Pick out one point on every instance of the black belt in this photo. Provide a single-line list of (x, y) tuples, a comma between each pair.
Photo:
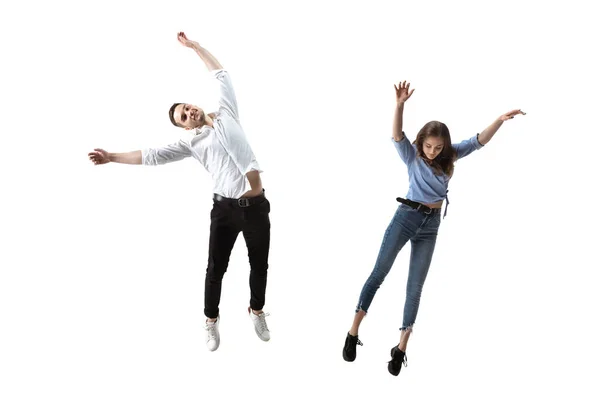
[(241, 202), (418, 206)]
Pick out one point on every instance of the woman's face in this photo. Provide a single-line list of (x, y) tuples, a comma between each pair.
[(432, 146)]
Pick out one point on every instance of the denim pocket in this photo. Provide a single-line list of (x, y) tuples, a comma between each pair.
[(404, 207)]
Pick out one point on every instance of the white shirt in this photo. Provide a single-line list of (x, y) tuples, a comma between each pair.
[(223, 149)]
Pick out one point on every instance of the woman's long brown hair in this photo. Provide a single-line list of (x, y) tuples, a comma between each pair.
[(444, 162)]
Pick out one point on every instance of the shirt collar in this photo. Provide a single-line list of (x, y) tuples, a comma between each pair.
[(202, 130), (206, 128)]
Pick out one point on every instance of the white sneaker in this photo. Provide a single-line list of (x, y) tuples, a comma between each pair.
[(260, 325), (212, 335)]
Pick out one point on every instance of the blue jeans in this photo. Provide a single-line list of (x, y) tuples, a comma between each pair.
[(421, 230)]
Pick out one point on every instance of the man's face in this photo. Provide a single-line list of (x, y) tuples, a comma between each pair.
[(189, 116)]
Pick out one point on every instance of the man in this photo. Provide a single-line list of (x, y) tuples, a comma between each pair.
[(219, 143)]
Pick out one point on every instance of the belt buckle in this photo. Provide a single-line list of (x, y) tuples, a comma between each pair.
[(244, 202), (424, 206)]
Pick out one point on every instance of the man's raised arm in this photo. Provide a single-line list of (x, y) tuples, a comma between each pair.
[(211, 62)]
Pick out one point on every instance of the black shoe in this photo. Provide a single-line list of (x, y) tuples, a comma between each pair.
[(398, 358), (349, 352)]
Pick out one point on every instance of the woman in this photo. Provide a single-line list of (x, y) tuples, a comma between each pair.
[(430, 161)]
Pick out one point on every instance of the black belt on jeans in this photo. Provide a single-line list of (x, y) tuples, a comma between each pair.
[(241, 202), (417, 206)]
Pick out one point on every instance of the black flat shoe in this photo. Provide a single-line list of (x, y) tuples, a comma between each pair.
[(398, 358), (349, 352)]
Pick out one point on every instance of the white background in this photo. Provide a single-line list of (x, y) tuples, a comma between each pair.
[(102, 267)]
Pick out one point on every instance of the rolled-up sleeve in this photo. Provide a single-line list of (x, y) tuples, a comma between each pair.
[(405, 149), (227, 99), (467, 146), (163, 155)]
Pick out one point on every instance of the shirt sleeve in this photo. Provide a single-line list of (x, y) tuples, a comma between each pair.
[(227, 100), (467, 146), (239, 150), (170, 153), (405, 149)]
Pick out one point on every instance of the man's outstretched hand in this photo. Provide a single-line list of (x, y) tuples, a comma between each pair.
[(99, 156), (187, 42)]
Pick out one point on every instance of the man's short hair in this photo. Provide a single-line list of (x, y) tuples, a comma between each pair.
[(171, 112)]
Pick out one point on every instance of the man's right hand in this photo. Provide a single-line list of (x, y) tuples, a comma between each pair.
[(210, 61), (99, 156), (186, 42)]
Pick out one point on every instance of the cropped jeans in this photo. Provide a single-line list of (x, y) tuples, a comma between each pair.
[(421, 229)]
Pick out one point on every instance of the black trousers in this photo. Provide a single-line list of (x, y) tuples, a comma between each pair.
[(228, 219)]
